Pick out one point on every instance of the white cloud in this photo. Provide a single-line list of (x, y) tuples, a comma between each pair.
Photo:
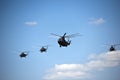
[(97, 21), (63, 71), (31, 23), (96, 62)]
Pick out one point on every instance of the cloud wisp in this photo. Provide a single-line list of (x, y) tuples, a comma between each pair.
[(78, 71), (31, 23), (97, 21)]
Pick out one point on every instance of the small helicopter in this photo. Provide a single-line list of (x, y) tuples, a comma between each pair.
[(62, 42), (44, 48), (23, 54), (112, 48)]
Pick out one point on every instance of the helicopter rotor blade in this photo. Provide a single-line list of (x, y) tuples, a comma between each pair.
[(111, 45), (46, 46), (27, 52), (55, 35), (72, 35), (116, 44)]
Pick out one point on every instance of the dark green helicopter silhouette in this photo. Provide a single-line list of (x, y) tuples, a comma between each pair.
[(112, 48), (24, 54), (44, 48), (62, 41)]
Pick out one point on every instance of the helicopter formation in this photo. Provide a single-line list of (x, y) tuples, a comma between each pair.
[(62, 43)]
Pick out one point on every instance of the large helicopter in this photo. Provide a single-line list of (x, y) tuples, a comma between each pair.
[(112, 48), (62, 41), (23, 54), (44, 48)]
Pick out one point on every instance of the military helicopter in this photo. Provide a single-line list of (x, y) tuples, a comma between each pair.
[(44, 48), (112, 48), (23, 54), (62, 42)]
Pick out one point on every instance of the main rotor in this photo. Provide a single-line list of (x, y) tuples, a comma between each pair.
[(66, 36)]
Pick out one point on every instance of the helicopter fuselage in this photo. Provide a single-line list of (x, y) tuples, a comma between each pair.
[(63, 42), (112, 48), (23, 54), (43, 49)]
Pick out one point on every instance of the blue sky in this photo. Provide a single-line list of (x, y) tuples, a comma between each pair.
[(26, 26)]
